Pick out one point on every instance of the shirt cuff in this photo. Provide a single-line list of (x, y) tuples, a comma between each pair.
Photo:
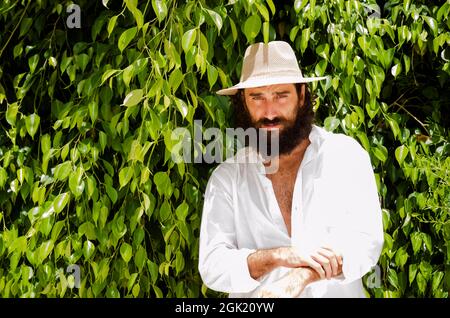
[(241, 281), (353, 267)]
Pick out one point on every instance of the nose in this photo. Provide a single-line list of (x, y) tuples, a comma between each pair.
[(270, 110)]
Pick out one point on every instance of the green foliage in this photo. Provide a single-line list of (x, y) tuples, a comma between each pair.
[(86, 115)]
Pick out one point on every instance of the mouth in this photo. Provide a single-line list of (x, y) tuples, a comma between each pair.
[(271, 126)]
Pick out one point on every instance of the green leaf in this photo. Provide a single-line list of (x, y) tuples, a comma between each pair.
[(393, 278), (182, 211), (126, 37), (61, 201), (432, 24), (412, 272), (3, 178), (212, 76), (175, 79), (112, 24), (271, 6), (126, 252), (252, 26), (131, 281), (88, 249), (112, 292), (140, 258), (108, 74), (112, 193), (184, 231), (179, 262), (401, 257), (293, 33), (82, 60), (263, 11), (131, 4), (65, 62), (76, 184), (153, 269), (33, 62), (32, 124), (182, 107), (380, 152), (125, 176), (160, 8), (93, 111), (103, 139), (364, 140), (426, 238), (216, 18), (133, 97), (119, 229), (323, 51), (233, 29), (266, 32), (305, 39), (11, 113), (400, 153), (138, 17), (394, 126), (426, 269), (165, 211), (188, 39), (437, 278), (421, 282), (62, 170), (45, 144), (331, 123), (407, 62), (25, 26), (321, 67), (299, 4), (358, 91), (45, 249), (57, 230)]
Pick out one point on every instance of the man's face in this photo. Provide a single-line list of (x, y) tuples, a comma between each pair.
[(274, 106), (277, 110)]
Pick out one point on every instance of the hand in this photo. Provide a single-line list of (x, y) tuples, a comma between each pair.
[(330, 261), (290, 257), (324, 261)]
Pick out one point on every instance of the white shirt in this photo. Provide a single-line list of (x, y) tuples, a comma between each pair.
[(335, 203)]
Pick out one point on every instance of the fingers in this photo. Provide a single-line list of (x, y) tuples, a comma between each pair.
[(316, 266), (338, 256), (324, 262), (332, 258)]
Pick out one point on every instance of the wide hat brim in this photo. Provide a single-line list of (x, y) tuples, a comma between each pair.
[(258, 82)]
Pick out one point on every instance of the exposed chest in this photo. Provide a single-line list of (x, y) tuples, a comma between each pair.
[(283, 188)]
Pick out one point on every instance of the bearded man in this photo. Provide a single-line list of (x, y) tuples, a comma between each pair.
[(313, 227)]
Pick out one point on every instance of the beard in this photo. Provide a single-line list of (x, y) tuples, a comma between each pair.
[(292, 133)]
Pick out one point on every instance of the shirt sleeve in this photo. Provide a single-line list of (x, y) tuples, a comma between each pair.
[(222, 265), (358, 234)]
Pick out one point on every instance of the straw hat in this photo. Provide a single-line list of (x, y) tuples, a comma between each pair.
[(268, 64)]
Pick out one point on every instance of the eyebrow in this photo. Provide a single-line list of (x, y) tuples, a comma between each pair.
[(260, 94), (282, 92)]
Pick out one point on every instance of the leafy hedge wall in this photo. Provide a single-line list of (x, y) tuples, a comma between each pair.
[(86, 116)]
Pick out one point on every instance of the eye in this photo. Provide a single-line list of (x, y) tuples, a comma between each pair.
[(257, 98)]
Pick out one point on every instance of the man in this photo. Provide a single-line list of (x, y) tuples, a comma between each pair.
[(311, 229)]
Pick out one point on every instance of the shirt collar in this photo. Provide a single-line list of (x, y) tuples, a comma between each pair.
[(316, 137)]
